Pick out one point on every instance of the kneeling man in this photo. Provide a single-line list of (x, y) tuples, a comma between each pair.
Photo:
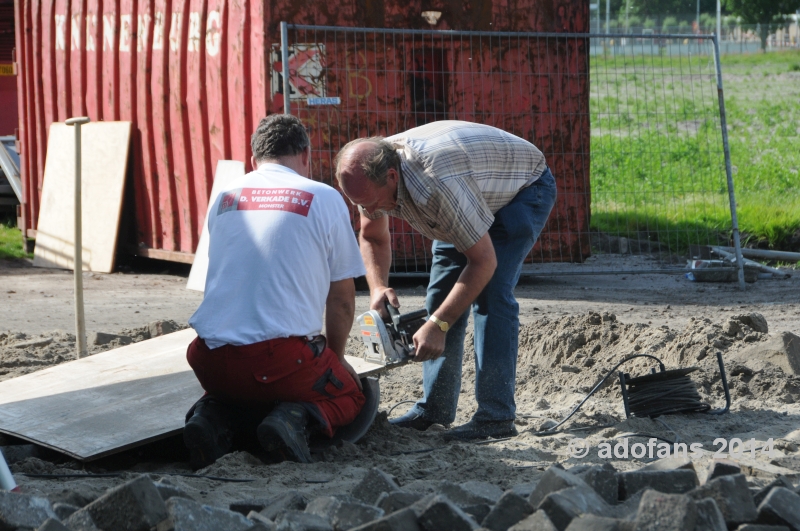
[(282, 252)]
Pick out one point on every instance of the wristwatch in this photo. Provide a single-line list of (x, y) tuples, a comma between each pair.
[(444, 326)]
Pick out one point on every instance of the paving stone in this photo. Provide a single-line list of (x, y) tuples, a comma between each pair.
[(510, 509), (732, 496), (483, 489), (343, 514), (780, 507), (463, 496), (159, 328), (603, 479), (761, 527), (63, 510), (709, 517), (671, 463), (32, 343), (261, 527), (188, 515), (780, 481), (263, 521), (665, 512), (627, 510), (77, 496), (677, 481), (302, 521), (402, 520), (722, 467), (554, 479), (590, 522), (525, 489), (564, 505), (132, 506), (23, 510), (538, 521), (478, 512), (288, 501), (375, 482), (167, 490), (81, 520), (420, 505), (399, 499), (51, 524), (102, 338), (442, 513), (246, 506)]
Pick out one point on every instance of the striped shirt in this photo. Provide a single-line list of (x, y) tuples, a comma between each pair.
[(456, 175)]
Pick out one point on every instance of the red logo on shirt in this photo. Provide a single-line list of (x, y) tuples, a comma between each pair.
[(283, 199), (227, 200)]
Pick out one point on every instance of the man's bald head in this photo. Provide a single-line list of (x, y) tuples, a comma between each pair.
[(369, 158)]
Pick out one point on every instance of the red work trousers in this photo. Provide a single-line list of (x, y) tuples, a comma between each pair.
[(279, 370)]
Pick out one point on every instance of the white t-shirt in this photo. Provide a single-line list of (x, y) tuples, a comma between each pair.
[(277, 241)]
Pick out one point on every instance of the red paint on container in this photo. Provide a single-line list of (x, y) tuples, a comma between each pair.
[(195, 77)]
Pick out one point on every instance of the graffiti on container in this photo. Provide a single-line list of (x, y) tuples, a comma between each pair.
[(306, 71), (358, 83), (199, 32)]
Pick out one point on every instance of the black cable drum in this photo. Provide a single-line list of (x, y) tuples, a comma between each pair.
[(662, 393)]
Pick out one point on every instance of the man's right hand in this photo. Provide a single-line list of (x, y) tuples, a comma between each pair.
[(381, 294)]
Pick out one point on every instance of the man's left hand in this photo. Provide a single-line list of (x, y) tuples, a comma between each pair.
[(349, 368), (428, 342)]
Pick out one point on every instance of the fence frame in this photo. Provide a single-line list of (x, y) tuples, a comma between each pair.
[(286, 43)]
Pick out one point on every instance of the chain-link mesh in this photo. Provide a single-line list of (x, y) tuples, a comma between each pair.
[(632, 133)]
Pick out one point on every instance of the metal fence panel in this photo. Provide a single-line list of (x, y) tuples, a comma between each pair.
[(633, 137)]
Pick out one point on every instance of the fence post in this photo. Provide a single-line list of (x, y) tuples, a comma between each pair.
[(287, 105), (728, 171)]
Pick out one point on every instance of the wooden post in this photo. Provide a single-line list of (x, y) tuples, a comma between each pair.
[(80, 323)]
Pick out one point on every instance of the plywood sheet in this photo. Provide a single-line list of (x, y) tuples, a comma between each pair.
[(104, 162), (227, 170), (112, 401)]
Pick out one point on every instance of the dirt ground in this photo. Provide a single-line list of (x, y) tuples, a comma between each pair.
[(574, 329)]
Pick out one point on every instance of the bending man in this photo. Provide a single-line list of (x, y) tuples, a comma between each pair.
[(281, 252), (483, 196)]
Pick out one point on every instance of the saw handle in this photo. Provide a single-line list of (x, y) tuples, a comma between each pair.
[(393, 312)]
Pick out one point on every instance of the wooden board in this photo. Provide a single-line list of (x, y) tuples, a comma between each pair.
[(104, 163), (227, 170), (112, 401)]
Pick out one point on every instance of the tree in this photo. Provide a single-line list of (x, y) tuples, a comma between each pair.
[(660, 8), (766, 13)]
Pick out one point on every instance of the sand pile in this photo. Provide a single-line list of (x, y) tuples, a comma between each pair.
[(560, 359)]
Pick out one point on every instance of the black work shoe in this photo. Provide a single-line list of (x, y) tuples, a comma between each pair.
[(412, 420), (283, 431), (482, 429), (207, 434)]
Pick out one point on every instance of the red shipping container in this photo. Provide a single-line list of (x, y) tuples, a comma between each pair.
[(8, 83), (195, 77)]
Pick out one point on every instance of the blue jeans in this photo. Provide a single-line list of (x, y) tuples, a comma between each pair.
[(496, 313)]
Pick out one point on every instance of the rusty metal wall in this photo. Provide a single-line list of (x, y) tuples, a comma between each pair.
[(8, 84), (194, 77)]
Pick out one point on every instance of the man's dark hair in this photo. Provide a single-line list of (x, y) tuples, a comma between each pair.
[(279, 135)]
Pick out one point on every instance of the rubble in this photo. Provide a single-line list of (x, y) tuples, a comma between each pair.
[(565, 502)]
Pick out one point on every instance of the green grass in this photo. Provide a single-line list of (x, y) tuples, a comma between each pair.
[(11, 243), (657, 158)]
